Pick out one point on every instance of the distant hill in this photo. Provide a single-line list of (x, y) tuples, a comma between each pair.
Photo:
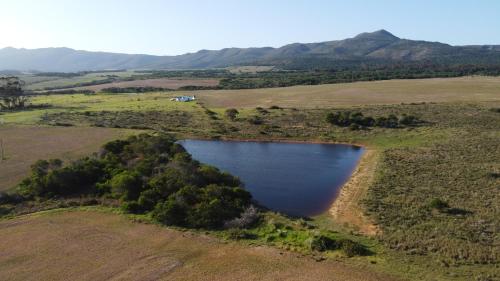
[(379, 47)]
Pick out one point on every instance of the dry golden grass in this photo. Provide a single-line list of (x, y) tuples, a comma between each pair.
[(90, 245), (464, 89), (25, 145)]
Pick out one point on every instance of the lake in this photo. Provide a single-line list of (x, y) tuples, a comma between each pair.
[(299, 179)]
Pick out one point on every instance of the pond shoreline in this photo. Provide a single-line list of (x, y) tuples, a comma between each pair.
[(346, 206), (274, 140)]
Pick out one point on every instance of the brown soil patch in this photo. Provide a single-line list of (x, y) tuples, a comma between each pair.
[(157, 83), (92, 245), (25, 145), (346, 208)]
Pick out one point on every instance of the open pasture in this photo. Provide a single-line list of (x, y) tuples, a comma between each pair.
[(463, 89), (90, 245), (25, 145), (99, 102)]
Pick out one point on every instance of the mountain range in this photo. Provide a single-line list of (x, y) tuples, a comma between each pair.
[(376, 47)]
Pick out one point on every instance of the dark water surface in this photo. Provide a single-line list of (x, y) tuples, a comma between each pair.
[(294, 178)]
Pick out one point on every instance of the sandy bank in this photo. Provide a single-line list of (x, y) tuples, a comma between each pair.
[(346, 208)]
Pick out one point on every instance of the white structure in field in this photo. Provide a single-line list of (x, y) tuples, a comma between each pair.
[(184, 98)]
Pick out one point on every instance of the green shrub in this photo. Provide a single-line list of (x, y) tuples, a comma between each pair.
[(322, 243), (116, 146), (438, 204), (169, 182), (126, 185), (131, 207), (48, 179), (170, 212), (261, 110), (149, 198), (408, 120), (6, 198), (217, 204), (231, 113)]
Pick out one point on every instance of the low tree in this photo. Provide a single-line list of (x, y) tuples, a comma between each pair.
[(232, 113), (12, 95)]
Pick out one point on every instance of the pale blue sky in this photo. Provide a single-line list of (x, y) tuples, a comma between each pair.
[(176, 27)]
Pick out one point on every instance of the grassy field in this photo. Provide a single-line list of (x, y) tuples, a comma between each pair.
[(464, 89), (452, 156), (25, 145), (91, 245), (93, 103)]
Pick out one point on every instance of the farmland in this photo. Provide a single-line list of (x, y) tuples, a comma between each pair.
[(41, 82), (96, 81), (24, 145), (107, 246), (451, 157), (463, 89)]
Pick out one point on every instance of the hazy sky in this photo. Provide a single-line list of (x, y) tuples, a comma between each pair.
[(176, 27)]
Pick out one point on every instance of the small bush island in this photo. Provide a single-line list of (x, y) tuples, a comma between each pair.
[(356, 120)]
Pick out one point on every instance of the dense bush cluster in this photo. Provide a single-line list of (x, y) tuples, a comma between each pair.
[(147, 174), (357, 120)]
